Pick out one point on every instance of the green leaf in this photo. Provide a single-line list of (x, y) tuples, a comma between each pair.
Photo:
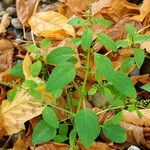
[(115, 133), (50, 117), (36, 68), (139, 56), (72, 138), (120, 81), (32, 48), (30, 84), (63, 129), (60, 77), (140, 38), (87, 126), (60, 138), (86, 39), (45, 43), (107, 41), (60, 55), (121, 44), (127, 64), (116, 119), (17, 70), (35, 94), (92, 91), (11, 94), (103, 64), (131, 30), (77, 22), (76, 41), (146, 87), (43, 133), (101, 21)]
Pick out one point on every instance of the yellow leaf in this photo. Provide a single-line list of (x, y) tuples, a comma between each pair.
[(50, 24), (23, 108)]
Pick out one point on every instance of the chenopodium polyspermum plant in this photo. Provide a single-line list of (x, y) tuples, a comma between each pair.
[(117, 88)]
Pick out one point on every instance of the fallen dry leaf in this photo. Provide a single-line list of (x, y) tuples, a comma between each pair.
[(133, 118), (23, 108), (53, 146), (99, 5), (50, 24), (144, 10), (96, 146), (146, 44), (25, 9), (6, 55), (5, 22)]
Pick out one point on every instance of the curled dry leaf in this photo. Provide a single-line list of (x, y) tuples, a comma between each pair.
[(23, 108), (138, 129), (50, 24), (137, 135), (144, 10), (133, 118), (25, 9), (5, 22)]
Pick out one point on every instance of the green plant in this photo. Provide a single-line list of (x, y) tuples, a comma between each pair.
[(117, 88)]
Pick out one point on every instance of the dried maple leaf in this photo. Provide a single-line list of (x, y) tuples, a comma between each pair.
[(23, 108), (25, 9), (50, 24)]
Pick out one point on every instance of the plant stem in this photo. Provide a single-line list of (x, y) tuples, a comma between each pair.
[(82, 93), (108, 109), (64, 110)]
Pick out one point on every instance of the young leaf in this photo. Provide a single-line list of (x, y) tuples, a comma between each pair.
[(86, 40), (11, 94), (101, 21), (87, 126), (60, 55), (114, 132), (17, 70), (127, 64), (63, 129), (60, 138), (92, 91), (43, 133), (140, 38), (146, 87), (30, 84), (60, 77), (72, 138), (45, 43), (107, 41), (32, 48), (77, 22), (131, 30), (117, 118), (36, 94), (121, 43), (36, 68), (50, 117), (139, 56)]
